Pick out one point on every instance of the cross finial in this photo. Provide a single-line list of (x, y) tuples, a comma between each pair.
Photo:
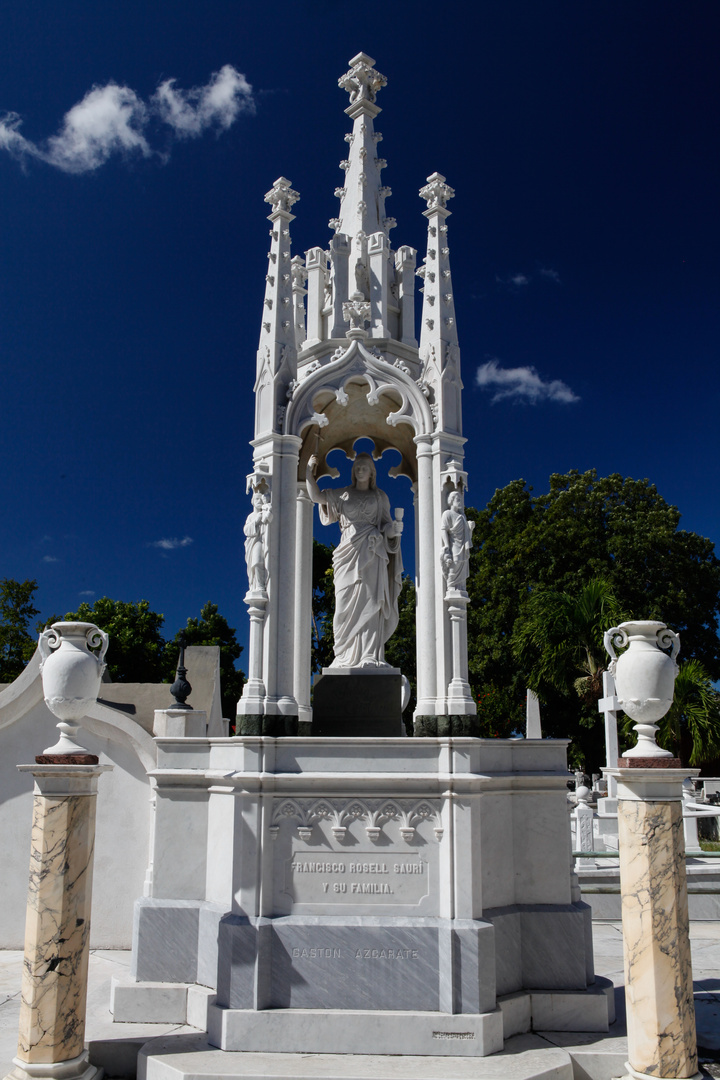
[(362, 83), (281, 196), (436, 192)]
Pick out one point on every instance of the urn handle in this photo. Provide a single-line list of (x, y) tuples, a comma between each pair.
[(94, 637), (47, 643), (666, 639), (617, 637)]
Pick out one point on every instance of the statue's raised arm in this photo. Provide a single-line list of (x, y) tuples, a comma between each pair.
[(367, 564), (313, 490)]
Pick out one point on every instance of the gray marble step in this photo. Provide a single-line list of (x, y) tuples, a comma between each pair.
[(187, 1057)]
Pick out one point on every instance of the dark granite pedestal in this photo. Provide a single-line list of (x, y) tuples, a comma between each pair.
[(358, 705)]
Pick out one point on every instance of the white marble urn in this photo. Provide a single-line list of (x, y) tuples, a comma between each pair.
[(71, 675), (644, 677)]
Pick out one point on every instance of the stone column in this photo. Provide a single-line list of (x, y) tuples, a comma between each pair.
[(57, 930), (379, 260), (303, 603), (315, 264), (425, 573), (252, 702), (658, 975), (460, 702), (405, 259), (339, 256)]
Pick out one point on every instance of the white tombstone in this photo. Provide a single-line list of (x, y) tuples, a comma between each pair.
[(584, 838), (533, 727)]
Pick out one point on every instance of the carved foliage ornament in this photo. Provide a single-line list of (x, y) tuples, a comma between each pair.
[(281, 196), (376, 813), (436, 192), (362, 81)]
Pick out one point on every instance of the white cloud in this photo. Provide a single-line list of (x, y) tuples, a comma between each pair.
[(50, 558), (518, 280), (523, 384), (552, 275), (113, 119), (218, 104), (109, 119), (87, 592), (170, 543)]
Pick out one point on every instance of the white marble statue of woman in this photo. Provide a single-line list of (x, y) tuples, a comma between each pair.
[(256, 545), (456, 542), (367, 564)]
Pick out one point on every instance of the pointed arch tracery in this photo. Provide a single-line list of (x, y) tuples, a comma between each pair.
[(358, 394)]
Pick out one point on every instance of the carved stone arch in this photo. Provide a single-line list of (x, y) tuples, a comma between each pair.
[(358, 394)]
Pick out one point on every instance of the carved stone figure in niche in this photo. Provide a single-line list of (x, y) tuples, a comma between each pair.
[(362, 274), (457, 541), (256, 542), (367, 564)]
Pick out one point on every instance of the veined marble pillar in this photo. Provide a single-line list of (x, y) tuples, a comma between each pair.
[(656, 943), (57, 930)]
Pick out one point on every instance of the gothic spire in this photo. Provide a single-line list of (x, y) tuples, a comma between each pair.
[(277, 351), (362, 196), (439, 352)]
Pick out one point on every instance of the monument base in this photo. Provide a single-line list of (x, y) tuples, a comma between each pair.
[(191, 1057), (337, 1031), (275, 726), (358, 703), (363, 896), (442, 727)]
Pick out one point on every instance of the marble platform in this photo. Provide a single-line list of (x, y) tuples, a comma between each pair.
[(302, 883), (528, 1058), (596, 1055)]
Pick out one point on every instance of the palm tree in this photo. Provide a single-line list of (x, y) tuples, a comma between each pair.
[(559, 638)]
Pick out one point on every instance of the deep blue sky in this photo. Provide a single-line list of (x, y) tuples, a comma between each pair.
[(582, 141)]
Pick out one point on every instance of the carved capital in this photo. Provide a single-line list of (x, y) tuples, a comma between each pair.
[(316, 257)]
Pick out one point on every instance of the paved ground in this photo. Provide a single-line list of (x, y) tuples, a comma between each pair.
[(607, 937)]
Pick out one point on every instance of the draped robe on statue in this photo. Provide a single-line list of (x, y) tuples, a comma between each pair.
[(367, 568)]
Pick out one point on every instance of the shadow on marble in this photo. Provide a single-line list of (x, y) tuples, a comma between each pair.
[(707, 1019)]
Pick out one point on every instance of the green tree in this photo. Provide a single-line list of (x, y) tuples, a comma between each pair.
[(212, 629), (16, 612), (558, 638), (400, 649), (584, 527), (136, 650), (323, 606)]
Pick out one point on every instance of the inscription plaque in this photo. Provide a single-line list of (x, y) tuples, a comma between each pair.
[(338, 964), (363, 877)]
